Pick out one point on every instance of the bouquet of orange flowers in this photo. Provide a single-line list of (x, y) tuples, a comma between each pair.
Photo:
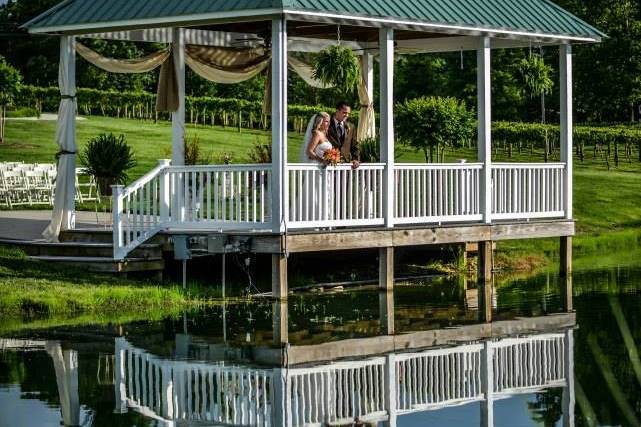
[(332, 156)]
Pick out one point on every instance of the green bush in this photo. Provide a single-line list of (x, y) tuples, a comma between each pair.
[(261, 152), (108, 158), (431, 123), (23, 112)]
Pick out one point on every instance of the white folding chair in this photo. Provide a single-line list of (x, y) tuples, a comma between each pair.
[(38, 187), (15, 188), (86, 188)]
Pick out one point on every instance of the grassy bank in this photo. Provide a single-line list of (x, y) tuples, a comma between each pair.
[(33, 288)]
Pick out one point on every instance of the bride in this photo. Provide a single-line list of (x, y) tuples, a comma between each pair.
[(314, 147), (316, 142)]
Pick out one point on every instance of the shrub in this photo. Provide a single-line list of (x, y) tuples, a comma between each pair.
[(108, 158), (431, 123), (261, 152), (370, 149), (10, 82), (193, 151)]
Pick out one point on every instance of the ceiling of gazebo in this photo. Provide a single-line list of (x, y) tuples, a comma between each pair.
[(518, 18)]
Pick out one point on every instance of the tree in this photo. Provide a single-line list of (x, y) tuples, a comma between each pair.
[(10, 81), (433, 123)]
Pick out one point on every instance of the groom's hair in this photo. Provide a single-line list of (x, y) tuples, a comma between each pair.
[(341, 104)]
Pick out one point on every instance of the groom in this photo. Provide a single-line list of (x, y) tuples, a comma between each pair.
[(342, 135)]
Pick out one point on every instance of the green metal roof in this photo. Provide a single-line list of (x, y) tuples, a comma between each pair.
[(531, 17)]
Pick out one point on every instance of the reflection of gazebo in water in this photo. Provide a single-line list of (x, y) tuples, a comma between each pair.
[(378, 384), (282, 205)]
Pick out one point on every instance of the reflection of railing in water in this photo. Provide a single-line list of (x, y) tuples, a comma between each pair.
[(175, 390), (373, 390)]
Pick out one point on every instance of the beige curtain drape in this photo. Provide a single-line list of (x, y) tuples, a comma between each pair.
[(126, 66), (367, 117), (226, 65)]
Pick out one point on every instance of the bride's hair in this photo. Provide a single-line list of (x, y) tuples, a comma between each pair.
[(318, 119)]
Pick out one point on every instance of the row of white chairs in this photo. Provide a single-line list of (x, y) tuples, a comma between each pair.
[(30, 184)]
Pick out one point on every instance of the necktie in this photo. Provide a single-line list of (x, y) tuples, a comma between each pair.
[(341, 131)]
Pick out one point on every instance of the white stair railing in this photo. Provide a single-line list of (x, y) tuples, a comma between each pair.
[(437, 193), (335, 196), (528, 190), (139, 210), (212, 197)]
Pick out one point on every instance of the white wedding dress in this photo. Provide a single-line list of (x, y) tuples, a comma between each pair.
[(316, 191)]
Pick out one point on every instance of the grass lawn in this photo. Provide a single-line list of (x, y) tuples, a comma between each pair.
[(33, 288)]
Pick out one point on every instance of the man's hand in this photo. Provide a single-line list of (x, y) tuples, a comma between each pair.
[(355, 164)]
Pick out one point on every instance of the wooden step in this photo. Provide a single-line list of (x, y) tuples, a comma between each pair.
[(81, 249), (86, 235), (99, 235), (106, 264)]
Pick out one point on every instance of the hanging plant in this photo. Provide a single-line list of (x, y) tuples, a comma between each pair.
[(535, 75), (337, 66)]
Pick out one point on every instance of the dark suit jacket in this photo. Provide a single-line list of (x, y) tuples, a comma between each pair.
[(349, 146)]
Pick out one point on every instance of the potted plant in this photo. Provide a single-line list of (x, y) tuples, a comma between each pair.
[(337, 66), (108, 158)]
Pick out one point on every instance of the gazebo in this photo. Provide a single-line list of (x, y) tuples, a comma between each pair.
[(287, 201)]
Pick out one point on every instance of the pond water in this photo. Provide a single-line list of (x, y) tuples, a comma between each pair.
[(227, 365)]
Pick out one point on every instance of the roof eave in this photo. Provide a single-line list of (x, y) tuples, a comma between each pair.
[(168, 21), (261, 14)]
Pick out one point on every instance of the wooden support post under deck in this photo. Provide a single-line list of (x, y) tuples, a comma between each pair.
[(279, 276), (280, 319), (386, 289), (485, 281), (565, 273)]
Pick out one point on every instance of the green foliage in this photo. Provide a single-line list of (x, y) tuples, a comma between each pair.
[(10, 82), (428, 123), (535, 75), (370, 149), (337, 66), (193, 151), (108, 158), (261, 152)]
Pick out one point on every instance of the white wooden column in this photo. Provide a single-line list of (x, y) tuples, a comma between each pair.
[(178, 117), (386, 45), (484, 86), (279, 125), (568, 392), (487, 385), (566, 123), (391, 384), (281, 399)]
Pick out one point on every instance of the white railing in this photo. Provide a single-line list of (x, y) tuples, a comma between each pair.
[(529, 363), (335, 196), (238, 197), (436, 193), (190, 197), (337, 394), (220, 196), (138, 210), (528, 190), (438, 378), (170, 390)]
